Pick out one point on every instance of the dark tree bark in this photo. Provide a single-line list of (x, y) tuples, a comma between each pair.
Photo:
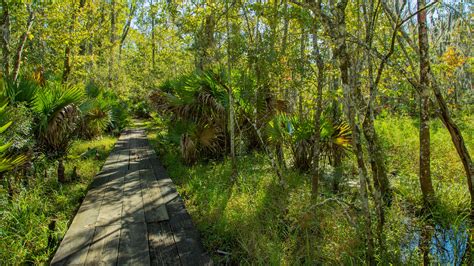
[(61, 175), (67, 50), (67, 65), (5, 38), (206, 42), (425, 243), (153, 44), (457, 139), (341, 52), (463, 152), (425, 172)]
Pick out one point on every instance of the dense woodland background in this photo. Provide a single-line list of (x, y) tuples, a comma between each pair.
[(297, 131)]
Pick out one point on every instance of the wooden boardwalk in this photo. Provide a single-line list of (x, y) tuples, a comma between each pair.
[(132, 214)]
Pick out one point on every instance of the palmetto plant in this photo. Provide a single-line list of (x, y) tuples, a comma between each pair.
[(56, 108), (96, 116), (299, 134), (23, 90), (200, 102), (336, 137), (7, 162), (302, 137), (278, 132)]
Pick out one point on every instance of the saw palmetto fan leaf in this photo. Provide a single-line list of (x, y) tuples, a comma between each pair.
[(21, 91), (57, 112), (7, 161), (96, 117), (336, 137), (199, 100)]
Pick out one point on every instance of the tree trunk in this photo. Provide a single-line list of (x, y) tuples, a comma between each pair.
[(67, 66), (153, 48), (317, 117), (67, 50), (231, 99), (61, 176), (348, 91), (425, 172), (425, 243), (5, 38), (126, 27), (457, 139), (463, 152), (112, 42), (21, 45), (286, 21), (344, 58), (280, 156)]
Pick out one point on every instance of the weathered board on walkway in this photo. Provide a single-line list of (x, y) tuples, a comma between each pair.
[(132, 214)]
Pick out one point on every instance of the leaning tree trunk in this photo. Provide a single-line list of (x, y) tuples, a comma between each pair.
[(425, 173), (61, 175), (21, 44), (457, 139), (463, 152)]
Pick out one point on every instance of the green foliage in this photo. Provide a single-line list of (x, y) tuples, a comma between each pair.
[(199, 104), (96, 117), (299, 134), (258, 221), (21, 91), (7, 162), (120, 117), (25, 218), (56, 109), (101, 111)]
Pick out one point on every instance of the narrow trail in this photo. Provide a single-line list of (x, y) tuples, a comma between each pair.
[(132, 214)]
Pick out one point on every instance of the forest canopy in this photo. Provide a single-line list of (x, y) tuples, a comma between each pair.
[(298, 132)]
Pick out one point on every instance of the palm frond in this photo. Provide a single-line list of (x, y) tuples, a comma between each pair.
[(8, 162), (58, 114), (22, 90)]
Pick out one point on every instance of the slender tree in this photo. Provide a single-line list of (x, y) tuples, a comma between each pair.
[(425, 172)]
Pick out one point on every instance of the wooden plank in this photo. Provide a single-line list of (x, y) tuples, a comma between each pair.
[(111, 208), (132, 214), (110, 211), (186, 236), (153, 204), (75, 245), (133, 249), (158, 169), (132, 199), (163, 249), (104, 246), (168, 190)]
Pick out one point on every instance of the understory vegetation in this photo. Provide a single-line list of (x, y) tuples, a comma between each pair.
[(298, 132), (37, 216), (253, 219)]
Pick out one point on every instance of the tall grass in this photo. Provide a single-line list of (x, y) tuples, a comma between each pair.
[(26, 219), (254, 220)]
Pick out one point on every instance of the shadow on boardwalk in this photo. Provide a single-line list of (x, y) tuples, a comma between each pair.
[(132, 214)]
